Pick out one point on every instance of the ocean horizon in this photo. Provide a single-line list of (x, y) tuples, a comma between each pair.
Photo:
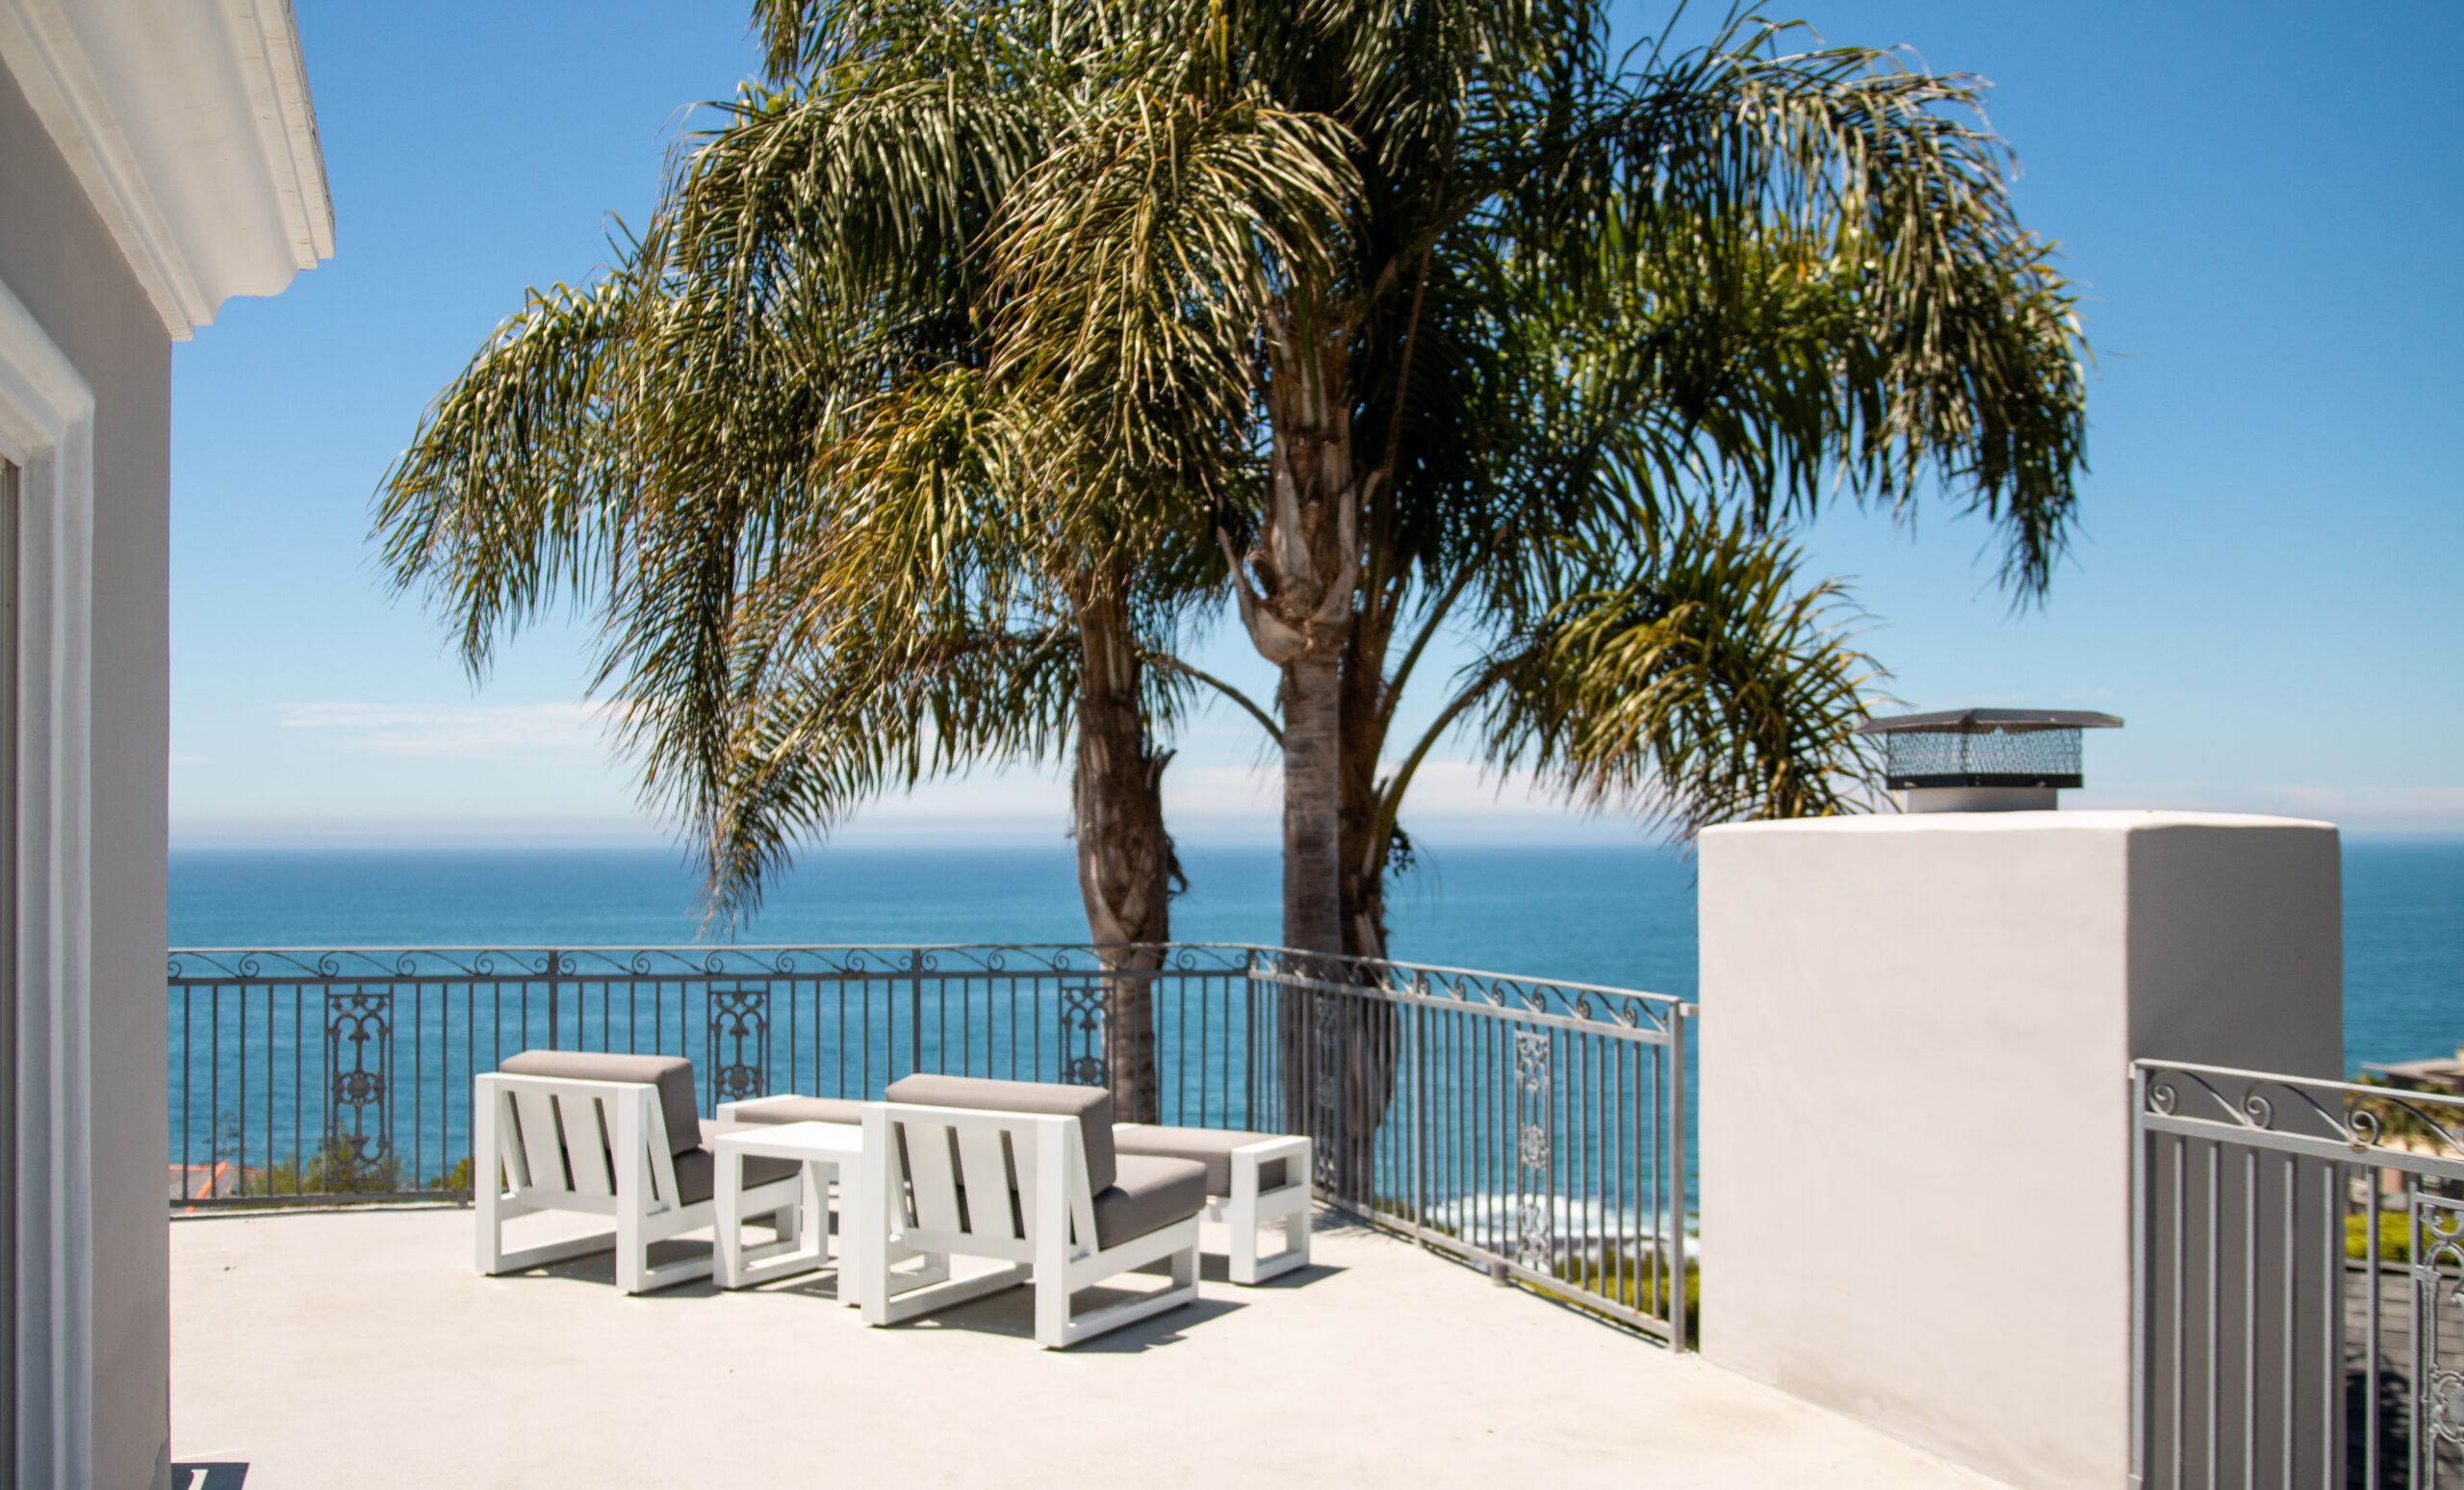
[(1621, 915)]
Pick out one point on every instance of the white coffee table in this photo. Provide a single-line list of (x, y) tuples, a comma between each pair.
[(828, 1151)]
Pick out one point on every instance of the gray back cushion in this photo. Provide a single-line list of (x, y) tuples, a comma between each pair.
[(673, 1075), (1092, 1106)]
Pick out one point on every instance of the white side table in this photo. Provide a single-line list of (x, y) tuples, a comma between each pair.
[(826, 1150)]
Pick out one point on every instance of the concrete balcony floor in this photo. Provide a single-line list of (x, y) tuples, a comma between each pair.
[(361, 1348)]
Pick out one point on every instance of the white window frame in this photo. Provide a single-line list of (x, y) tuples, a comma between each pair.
[(47, 430)]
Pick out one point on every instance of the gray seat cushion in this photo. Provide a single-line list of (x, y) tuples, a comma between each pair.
[(1209, 1146), (799, 1109), (1150, 1193), (673, 1075), (1092, 1106), (697, 1169)]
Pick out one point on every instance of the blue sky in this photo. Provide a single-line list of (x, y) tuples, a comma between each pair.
[(2263, 206)]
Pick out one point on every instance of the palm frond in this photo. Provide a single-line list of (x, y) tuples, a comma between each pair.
[(1699, 682)]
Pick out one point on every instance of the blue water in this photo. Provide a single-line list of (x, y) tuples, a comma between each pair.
[(249, 1073), (1622, 917)]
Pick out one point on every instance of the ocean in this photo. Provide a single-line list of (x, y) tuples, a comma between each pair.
[(1622, 917)]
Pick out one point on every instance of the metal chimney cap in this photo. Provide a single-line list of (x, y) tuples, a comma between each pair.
[(1984, 760), (1990, 721)]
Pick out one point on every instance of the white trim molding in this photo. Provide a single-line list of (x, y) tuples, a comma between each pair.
[(46, 429), (190, 128)]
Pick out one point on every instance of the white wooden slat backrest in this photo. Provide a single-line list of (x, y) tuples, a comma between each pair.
[(998, 1162), (932, 1186), (542, 1146), (990, 1209), (590, 1142), (566, 1137), (509, 1160)]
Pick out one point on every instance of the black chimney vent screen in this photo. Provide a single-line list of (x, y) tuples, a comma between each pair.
[(1983, 747), (2039, 757)]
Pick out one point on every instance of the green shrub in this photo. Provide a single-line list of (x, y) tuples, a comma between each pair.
[(1629, 1286), (338, 1169), (2394, 1237)]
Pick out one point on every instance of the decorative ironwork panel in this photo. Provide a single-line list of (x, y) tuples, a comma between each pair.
[(739, 1018), (2259, 1199), (1535, 1239), (359, 1123), (1082, 1035), (2438, 1301)]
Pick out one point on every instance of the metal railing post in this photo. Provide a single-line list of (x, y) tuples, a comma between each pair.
[(915, 1010), (1420, 1110), (2138, 1181), (1250, 1116), (1678, 1335)]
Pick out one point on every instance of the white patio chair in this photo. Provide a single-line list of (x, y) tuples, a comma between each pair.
[(1253, 1181), (1024, 1174), (606, 1135)]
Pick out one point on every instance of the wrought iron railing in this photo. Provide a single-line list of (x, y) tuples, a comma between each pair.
[(1536, 1129), (2297, 1282)]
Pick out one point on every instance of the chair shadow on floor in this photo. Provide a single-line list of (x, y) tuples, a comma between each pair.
[(1009, 1313)]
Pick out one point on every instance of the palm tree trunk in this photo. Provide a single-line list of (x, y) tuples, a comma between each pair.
[(1371, 1037), (1307, 562), (1362, 850), (1300, 617), (1127, 871), (1313, 1023), (1312, 803)]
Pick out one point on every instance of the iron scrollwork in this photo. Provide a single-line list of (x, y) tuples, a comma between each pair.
[(1535, 1220), (1082, 1035), (739, 1017), (2437, 1285), (359, 1049)]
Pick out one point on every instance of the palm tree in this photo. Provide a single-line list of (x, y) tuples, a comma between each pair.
[(983, 338), (830, 552), (1554, 290)]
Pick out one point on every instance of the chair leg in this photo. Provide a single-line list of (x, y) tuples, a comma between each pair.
[(1052, 1310), (1052, 1287), (632, 1249), (486, 1208), (868, 1258), (1249, 1269), (1074, 1329), (1241, 1214), (487, 1184)]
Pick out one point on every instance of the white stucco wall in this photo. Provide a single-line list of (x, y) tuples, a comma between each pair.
[(154, 160), (59, 261), (1914, 1113)]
